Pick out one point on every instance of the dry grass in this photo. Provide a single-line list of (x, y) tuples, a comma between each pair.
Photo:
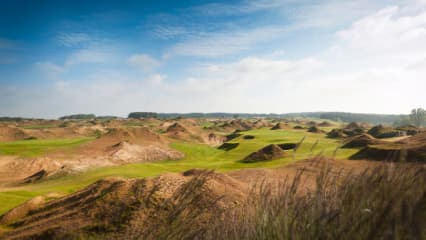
[(387, 202)]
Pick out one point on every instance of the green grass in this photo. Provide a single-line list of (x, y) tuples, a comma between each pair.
[(196, 156), (35, 148)]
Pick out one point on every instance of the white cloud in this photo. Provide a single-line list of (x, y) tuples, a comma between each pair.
[(144, 62), (89, 55)]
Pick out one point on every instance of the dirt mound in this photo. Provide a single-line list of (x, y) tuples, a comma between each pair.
[(215, 140), (325, 124), (238, 124), (269, 152), (361, 141), (176, 128), (353, 125), (381, 131), (12, 134), (134, 135), (261, 123), (279, 126), (228, 146), (336, 133), (179, 131), (125, 152), (112, 206), (412, 149), (314, 129), (298, 127)]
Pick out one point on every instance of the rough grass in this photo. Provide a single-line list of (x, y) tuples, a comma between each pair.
[(196, 156), (387, 202), (35, 148)]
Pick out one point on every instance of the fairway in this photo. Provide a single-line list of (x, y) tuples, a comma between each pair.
[(196, 156), (34, 148)]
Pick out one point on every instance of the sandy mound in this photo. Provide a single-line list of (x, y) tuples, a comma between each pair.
[(336, 133), (117, 204), (12, 134), (214, 139), (125, 152), (238, 124), (269, 152), (361, 141), (178, 131), (261, 123), (279, 126), (353, 125), (134, 135), (325, 124), (412, 149)]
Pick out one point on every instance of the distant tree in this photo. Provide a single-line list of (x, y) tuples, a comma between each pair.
[(142, 115), (78, 117), (403, 121), (418, 117)]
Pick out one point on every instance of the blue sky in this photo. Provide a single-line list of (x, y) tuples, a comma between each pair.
[(114, 57)]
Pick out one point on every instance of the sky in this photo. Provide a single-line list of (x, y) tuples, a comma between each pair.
[(253, 56)]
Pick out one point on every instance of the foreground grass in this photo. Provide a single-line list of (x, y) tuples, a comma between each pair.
[(196, 156), (386, 202), (35, 148)]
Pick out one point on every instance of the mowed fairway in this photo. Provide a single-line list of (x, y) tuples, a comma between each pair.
[(35, 148), (196, 156)]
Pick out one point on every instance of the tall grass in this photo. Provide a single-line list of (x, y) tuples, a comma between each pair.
[(387, 202)]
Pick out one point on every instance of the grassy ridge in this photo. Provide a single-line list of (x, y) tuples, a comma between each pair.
[(35, 148), (196, 156)]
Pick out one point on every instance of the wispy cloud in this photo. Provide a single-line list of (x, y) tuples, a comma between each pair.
[(144, 62), (218, 44), (243, 7), (74, 39), (89, 55), (168, 32)]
